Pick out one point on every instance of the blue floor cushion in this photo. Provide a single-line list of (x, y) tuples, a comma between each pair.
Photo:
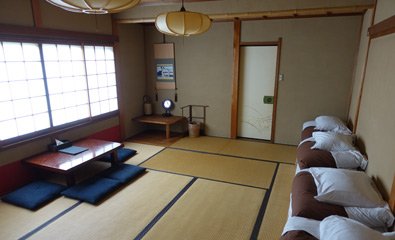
[(123, 172), (34, 195), (123, 155), (92, 190)]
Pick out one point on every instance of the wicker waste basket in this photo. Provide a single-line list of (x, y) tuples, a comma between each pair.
[(194, 129)]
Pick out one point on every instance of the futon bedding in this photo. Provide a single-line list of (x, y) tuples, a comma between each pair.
[(307, 157), (307, 133), (297, 235)]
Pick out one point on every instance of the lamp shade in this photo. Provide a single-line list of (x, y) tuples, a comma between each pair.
[(182, 23), (94, 6)]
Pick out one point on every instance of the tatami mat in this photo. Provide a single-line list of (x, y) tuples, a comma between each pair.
[(277, 209), (240, 148), (16, 222), (123, 215), (216, 167), (212, 211), (144, 151)]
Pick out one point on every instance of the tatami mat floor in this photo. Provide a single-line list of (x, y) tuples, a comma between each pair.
[(201, 188)]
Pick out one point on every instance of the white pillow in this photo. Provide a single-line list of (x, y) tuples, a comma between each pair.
[(341, 228), (351, 159), (380, 217), (346, 188), (330, 123), (330, 141)]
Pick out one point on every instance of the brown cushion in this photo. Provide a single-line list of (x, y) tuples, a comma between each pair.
[(305, 205), (307, 132), (308, 157), (297, 235)]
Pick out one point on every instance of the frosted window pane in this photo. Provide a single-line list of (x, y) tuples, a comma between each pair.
[(99, 50), (5, 93), (90, 67), (64, 52), (22, 108), (50, 52), (66, 69), (95, 109), (102, 80), (39, 105), (68, 84), (56, 101), (110, 67), (13, 51), (80, 83), (111, 79), (113, 104), (81, 98), (83, 111), (78, 68), (3, 72), (41, 121), (1, 52), (76, 53), (8, 129), (25, 125), (54, 85), (109, 53), (52, 69), (58, 117), (89, 53), (94, 95), (112, 92), (16, 71), (6, 111), (36, 88), (104, 106), (31, 52), (92, 81), (101, 67), (19, 89), (103, 93), (33, 70), (69, 99)]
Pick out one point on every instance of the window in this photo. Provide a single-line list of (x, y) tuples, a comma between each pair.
[(65, 84)]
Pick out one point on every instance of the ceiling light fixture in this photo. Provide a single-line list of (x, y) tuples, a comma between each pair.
[(182, 23), (94, 6)]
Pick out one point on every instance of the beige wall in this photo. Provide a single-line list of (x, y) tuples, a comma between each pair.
[(18, 12), (376, 127), (385, 9)]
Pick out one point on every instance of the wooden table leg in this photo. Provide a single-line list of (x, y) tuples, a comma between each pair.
[(167, 131)]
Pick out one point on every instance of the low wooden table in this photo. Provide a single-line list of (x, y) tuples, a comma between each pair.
[(161, 120), (66, 164)]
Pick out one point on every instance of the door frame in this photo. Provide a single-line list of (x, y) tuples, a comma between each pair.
[(236, 79)]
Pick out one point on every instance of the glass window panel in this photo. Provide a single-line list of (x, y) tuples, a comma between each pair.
[(16, 71), (90, 67), (104, 106), (113, 104), (103, 93), (69, 99), (72, 114), (109, 53), (95, 109), (3, 72), (58, 117), (68, 84), (54, 85), (22, 108), (39, 105), (66, 69), (78, 68), (1, 52), (102, 80), (80, 83), (36, 88), (76, 52), (50, 52), (111, 79), (83, 111), (110, 67), (99, 52), (19, 89), (94, 95), (13, 51), (33, 70), (8, 129), (92, 82), (64, 52), (41, 121), (52, 69), (81, 98), (6, 111), (25, 125), (56, 101), (31, 52), (89, 53), (5, 93), (112, 92), (101, 67)]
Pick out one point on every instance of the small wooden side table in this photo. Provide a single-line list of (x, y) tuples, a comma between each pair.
[(161, 120)]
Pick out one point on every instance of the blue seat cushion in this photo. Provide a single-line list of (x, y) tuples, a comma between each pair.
[(123, 155), (92, 190), (123, 172), (34, 195)]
